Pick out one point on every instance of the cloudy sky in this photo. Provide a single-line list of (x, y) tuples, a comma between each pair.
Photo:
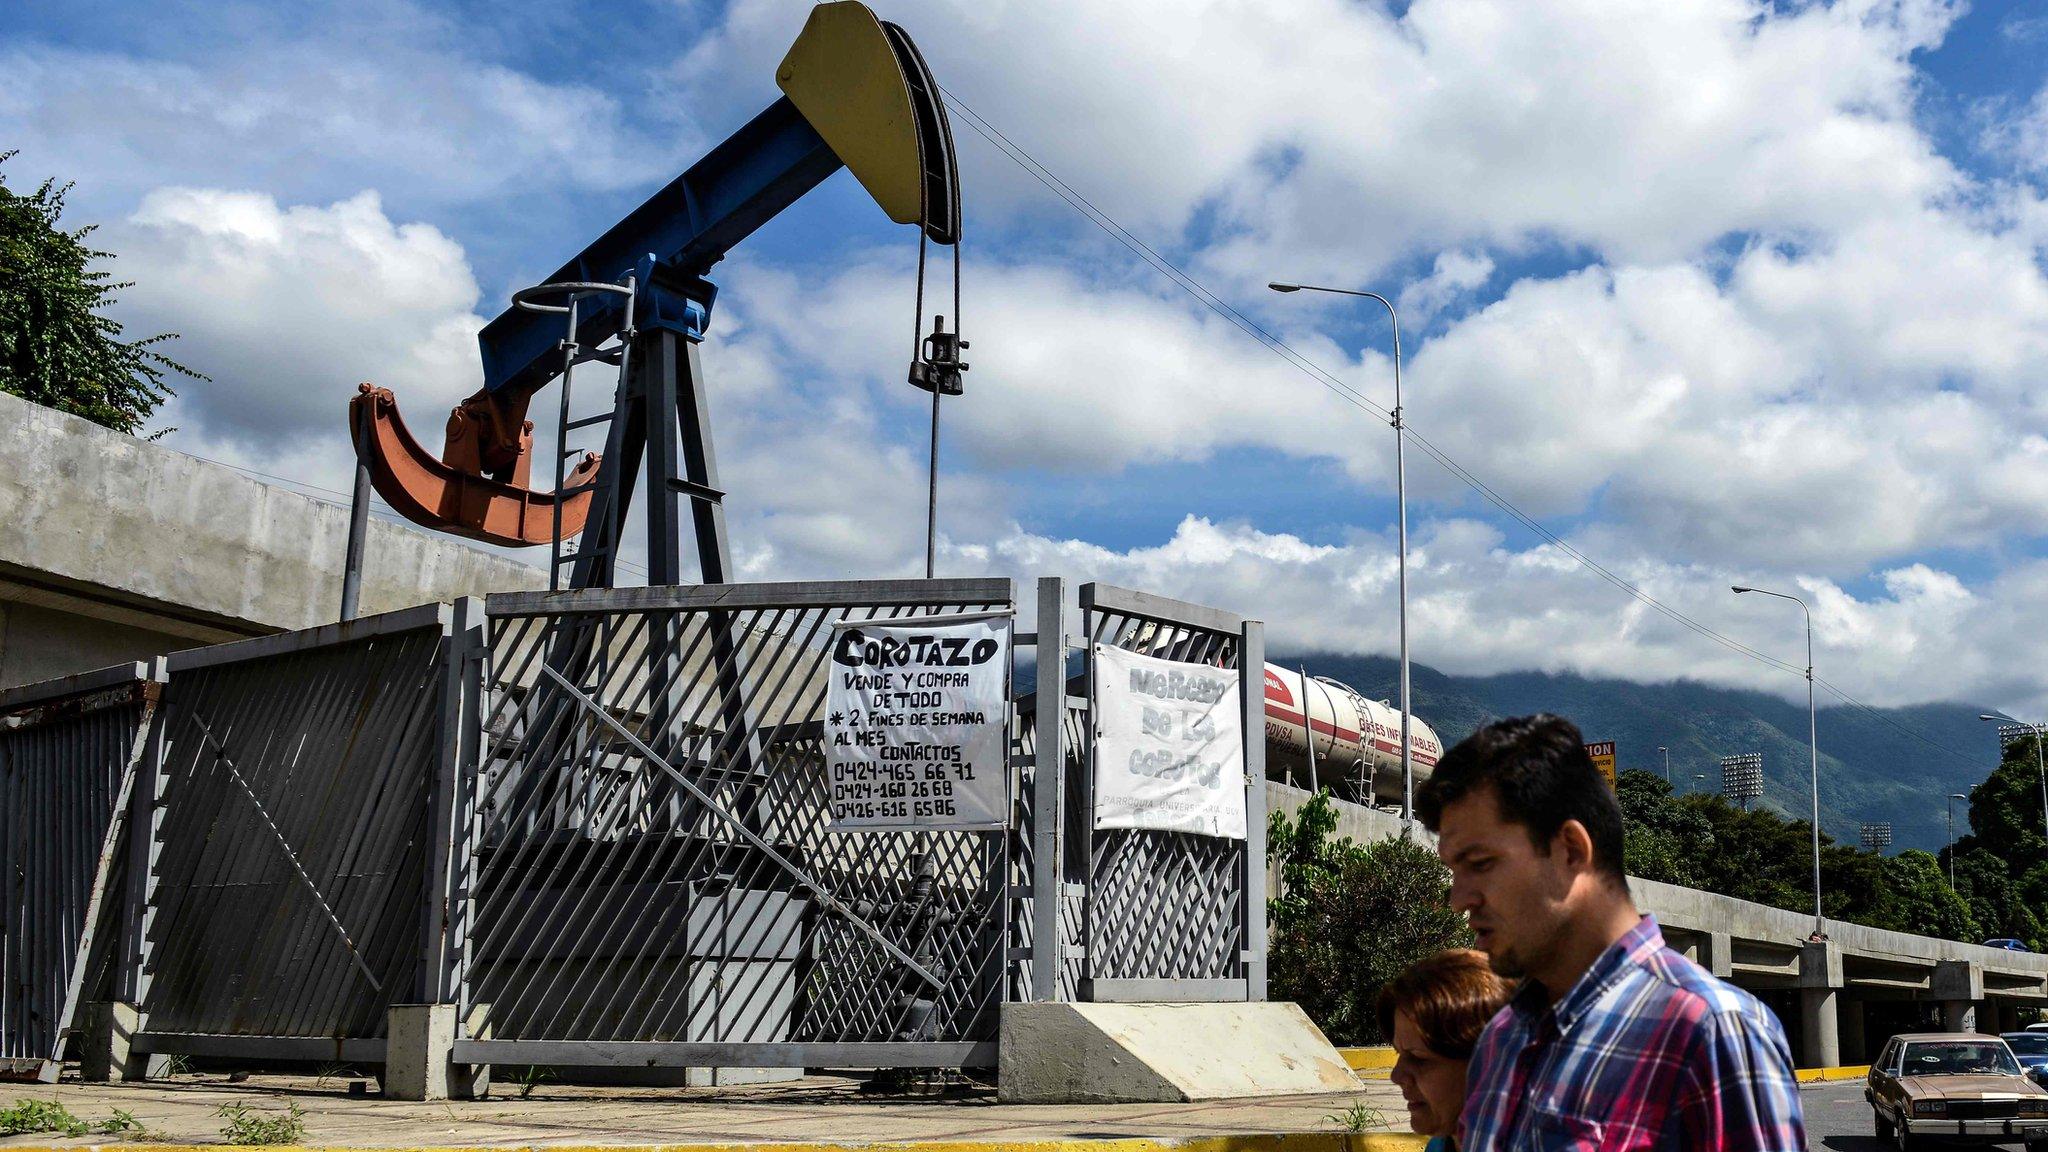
[(1716, 291)]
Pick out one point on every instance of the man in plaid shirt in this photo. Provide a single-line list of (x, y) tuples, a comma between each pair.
[(1612, 1041)]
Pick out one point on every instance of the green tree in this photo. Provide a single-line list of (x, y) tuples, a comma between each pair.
[(1922, 901), (1663, 838), (57, 348), (1348, 917)]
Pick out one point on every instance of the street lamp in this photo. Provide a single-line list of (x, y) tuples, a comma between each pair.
[(1697, 777), (1401, 499), (2040, 765), (1667, 762), (1952, 798), (1812, 741)]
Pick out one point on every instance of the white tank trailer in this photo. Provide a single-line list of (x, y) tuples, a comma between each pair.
[(1357, 741)]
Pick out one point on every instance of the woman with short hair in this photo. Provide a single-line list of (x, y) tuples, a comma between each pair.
[(1434, 1011)]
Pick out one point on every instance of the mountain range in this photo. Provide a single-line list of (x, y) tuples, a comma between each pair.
[(1881, 764)]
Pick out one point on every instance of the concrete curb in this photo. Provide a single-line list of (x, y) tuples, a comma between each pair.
[(1830, 1075), (1247, 1142), (1371, 1063)]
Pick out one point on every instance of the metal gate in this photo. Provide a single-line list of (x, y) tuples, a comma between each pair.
[(285, 897), (654, 882), (68, 755), (1172, 915)]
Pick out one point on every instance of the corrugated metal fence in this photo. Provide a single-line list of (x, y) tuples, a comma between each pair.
[(68, 755)]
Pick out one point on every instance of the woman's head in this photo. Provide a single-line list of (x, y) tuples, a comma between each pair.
[(1434, 1012)]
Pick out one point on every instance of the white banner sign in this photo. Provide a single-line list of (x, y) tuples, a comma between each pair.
[(1169, 745), (914, 725)]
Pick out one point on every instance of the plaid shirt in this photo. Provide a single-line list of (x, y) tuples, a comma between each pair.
[(1646, 1051)]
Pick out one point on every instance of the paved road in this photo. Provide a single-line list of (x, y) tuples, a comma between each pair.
[(1837, 1119)]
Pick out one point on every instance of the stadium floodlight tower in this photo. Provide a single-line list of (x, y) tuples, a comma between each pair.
[(1877, 837), (2010, 730), (1742, 778)]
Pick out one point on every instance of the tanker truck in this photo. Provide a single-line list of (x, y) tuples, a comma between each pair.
[(1357, 740)]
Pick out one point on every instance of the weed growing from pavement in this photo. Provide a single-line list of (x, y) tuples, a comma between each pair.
[(1358, 1118), (530, 1076), (28, 1116), (247, 1127)]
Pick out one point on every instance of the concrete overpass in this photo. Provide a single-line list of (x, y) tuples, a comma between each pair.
[(1838, 999)]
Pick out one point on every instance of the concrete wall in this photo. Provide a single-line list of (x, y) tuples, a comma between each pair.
[(113, 548)]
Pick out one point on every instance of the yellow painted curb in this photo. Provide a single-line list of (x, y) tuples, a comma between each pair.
[(1827, 1075), (1374, 1059), (1246, 1142)]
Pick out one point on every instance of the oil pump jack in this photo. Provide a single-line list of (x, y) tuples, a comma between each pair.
[(856, 93)]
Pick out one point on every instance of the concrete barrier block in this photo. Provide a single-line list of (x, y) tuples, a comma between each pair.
[(419, 1040), (1163, 1053), (107, 1047)]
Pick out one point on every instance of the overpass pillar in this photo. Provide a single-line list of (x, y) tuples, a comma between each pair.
[(1958, 985), (1855, 1049), (1716, 953), (1820, 994)]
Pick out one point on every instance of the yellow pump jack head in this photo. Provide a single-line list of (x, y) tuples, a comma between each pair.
[(863, 85)]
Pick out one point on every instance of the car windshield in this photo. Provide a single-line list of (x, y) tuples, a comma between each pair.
[(2028, 1043), (1957, 1058)]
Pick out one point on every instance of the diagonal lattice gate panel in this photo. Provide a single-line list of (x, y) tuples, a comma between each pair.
[(652, 863)]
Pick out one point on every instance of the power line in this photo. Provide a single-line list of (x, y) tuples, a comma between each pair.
[(1074, 199)]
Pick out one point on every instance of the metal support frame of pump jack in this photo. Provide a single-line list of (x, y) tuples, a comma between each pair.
[(857, 94)]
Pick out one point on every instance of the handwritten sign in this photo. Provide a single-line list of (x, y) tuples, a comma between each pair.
[(915, 725), (1169, 745)]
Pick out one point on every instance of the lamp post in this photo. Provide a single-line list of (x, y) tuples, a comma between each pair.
[(2040, 764), (1952, 798), (1697, 778), (1400, 499), (1667, 762), (1812, 742)]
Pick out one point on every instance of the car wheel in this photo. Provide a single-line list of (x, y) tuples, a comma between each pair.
[(1884, 1126)]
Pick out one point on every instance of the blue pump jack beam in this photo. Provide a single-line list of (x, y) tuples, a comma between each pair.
[(770, 163)]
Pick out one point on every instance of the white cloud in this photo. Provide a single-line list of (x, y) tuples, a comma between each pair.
[(1454, 276), (1335, 138), (288, 307), (1479, 606), (315, 119)]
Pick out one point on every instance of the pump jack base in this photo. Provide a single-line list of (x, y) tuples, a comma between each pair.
[(434, 494)]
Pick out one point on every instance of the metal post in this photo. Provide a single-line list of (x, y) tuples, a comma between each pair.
[(1813, 755), (931, 515), (358, 527), (1667, 762), (1049, 770), (1251, 664), (1952, 798), (1401, 500), (1812, 744), (1308, 728)]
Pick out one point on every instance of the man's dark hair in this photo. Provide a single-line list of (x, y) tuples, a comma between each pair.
[(1540, 774)]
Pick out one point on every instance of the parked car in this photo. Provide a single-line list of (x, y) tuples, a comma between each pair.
[(2031, 1050), (1954, 1085), (2007, 943)]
